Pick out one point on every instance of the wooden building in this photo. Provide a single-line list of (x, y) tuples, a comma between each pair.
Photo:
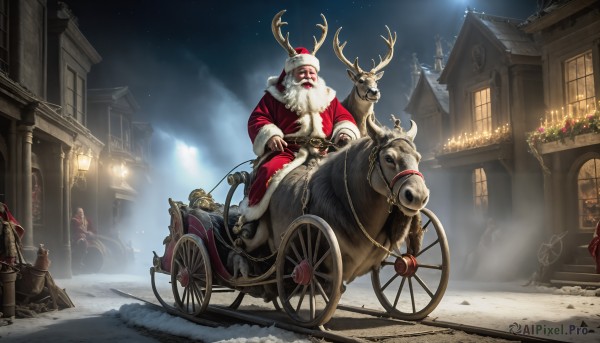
[(501, 77)]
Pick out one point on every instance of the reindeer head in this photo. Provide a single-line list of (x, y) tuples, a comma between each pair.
[(365, 82)]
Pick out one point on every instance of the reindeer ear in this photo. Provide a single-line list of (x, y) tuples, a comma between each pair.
[(352, 75), (378, 76)]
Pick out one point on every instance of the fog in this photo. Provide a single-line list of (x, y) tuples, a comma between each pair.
[(198, 70)]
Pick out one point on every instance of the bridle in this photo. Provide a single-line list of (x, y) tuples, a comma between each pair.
[(362, 97), (401, 177)]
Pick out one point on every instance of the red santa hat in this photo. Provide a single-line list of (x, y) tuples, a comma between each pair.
[(304, 57)]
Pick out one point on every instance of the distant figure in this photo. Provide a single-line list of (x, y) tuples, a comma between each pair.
[(476, 259), (83, 235), (594, 247)]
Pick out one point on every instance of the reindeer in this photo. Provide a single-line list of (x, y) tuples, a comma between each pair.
[(364, 94)]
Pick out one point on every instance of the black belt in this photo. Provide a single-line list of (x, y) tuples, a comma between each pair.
[(319, 143)]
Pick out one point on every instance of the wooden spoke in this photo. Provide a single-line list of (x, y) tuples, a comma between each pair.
[(432, 264), (309, 283), (191, 280)]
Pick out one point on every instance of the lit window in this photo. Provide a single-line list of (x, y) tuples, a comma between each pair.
[(480, 191), (579, 84), (482, 109), (588, 193), (74, 91)]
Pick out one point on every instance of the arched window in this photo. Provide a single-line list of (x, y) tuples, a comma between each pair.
[(480, 190), (588, 193)]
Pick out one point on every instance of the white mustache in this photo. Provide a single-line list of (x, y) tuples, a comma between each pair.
[(303, 81)]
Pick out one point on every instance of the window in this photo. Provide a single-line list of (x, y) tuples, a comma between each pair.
[(588, 193), (74, 90), (579, 79), (4, 35), (119, 132), (480, 191), (482, 109)]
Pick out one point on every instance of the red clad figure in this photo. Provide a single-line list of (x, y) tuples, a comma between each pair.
[(297, 106), (594, 247), (82, 236)]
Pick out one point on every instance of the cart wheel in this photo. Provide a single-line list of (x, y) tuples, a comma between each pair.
[(309, 271), (161, 283), (191, 276), (430, 267)]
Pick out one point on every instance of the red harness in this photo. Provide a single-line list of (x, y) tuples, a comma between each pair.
[(407, 172)]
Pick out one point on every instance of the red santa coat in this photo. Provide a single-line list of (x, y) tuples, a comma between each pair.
[(271, 118)]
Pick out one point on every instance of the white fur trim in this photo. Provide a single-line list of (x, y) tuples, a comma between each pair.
[(346, 127), (299, 60), (256, 211), (263, 136)]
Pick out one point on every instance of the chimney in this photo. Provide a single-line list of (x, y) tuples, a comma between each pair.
[(439, 55)]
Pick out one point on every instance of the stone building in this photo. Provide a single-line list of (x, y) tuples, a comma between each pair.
[(504, 80), (50, 161)]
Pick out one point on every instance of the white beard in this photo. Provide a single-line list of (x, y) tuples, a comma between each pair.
[(305, 100)]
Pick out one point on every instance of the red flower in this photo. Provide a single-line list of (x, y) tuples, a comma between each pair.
[(541, 129), (564, 130), (567, 123)]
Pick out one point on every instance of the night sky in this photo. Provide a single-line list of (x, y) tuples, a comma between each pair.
[(198, 68)]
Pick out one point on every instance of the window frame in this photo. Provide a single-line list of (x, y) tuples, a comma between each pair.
[(484, 191), (76, 93), (486, 122), (580, 200), (578, 107)]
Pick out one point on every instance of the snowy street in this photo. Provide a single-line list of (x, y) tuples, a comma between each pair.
[(101, 315)]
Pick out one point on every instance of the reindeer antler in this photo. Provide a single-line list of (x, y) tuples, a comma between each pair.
[(276, 25), (339, 52), (390, 41), (323, 34)]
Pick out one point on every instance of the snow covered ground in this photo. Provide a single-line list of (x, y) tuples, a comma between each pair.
[(100, 315)]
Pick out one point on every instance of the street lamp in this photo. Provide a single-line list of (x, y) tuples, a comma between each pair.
[(120, 171), (84, 160)]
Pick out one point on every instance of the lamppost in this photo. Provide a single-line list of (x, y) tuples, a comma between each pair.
[(84, 160)]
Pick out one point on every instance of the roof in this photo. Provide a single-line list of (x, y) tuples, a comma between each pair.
[(503, 33), (112, 95), (554, 12), (428, 80), (507, 32)]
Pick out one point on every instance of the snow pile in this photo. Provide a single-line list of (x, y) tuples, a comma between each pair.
[(139, 315)]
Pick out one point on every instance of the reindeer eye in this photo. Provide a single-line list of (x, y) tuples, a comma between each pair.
[(388, 159), (361, 81)]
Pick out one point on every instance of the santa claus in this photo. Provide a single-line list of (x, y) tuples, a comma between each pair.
[(299, 115)]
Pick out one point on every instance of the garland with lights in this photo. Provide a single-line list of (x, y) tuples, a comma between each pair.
[(570, 128)]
